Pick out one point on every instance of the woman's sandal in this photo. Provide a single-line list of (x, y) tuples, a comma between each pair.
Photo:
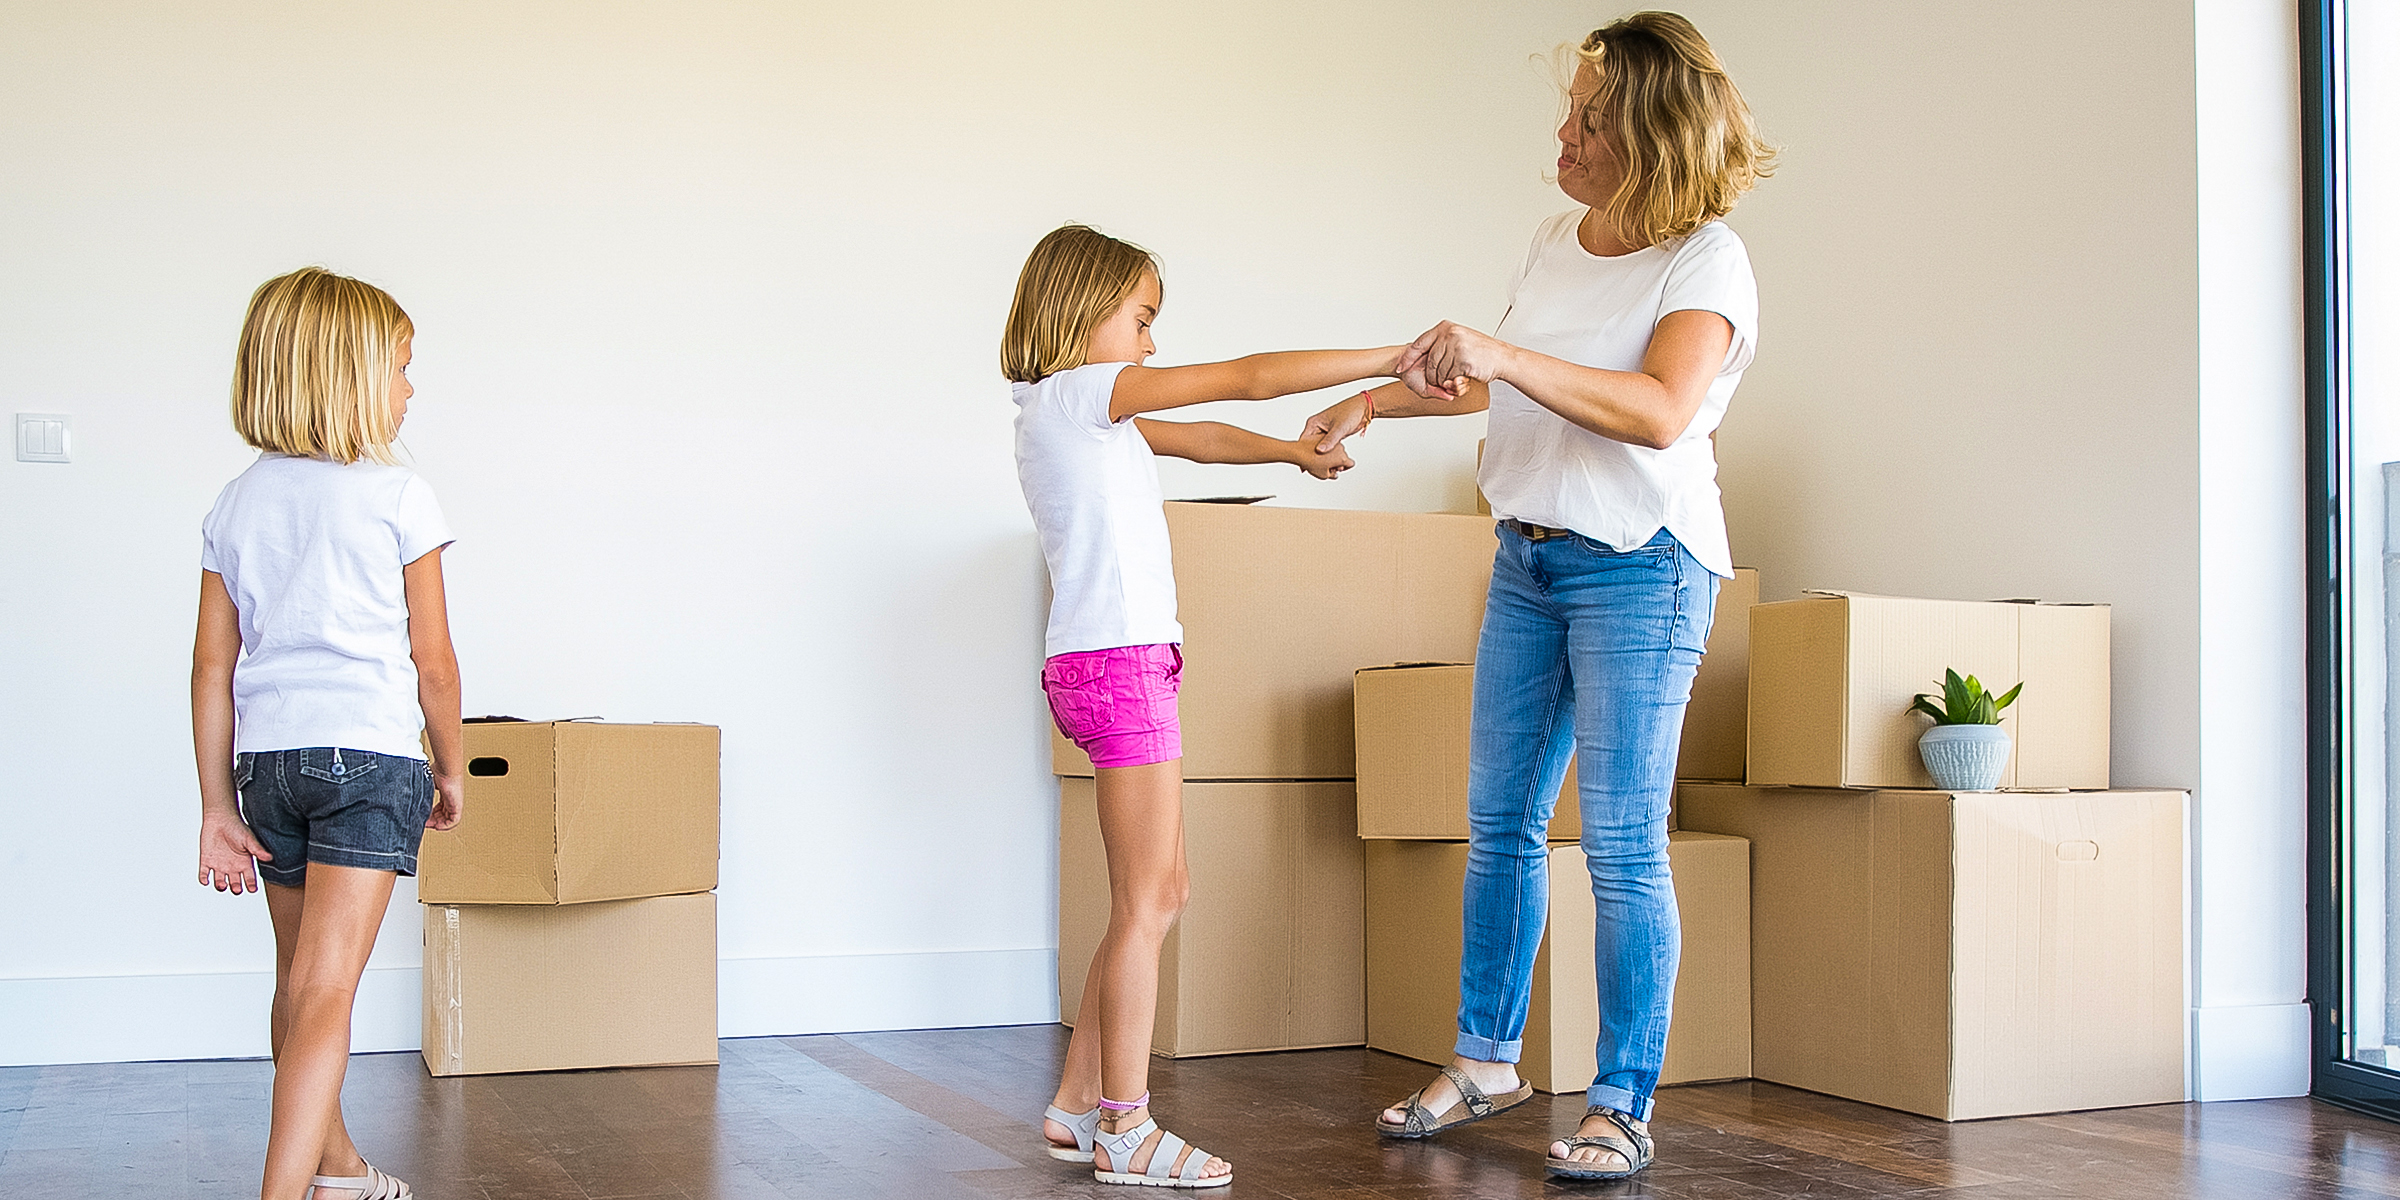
[(1122, 1147), (1083, 1125), (374, 1185), (1636, 1147), (1473, 1105)]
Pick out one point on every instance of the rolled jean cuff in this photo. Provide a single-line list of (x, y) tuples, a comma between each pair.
[(1605, 1096), (1483, 1049)]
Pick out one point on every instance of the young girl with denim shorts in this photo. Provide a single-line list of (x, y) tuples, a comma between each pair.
[(1077, 336), (323, 653)]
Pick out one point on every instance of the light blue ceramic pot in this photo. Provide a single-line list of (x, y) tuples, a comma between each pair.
[(1965, 758)]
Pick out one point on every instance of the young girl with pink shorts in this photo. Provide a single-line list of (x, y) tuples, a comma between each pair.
[(1078, 333)]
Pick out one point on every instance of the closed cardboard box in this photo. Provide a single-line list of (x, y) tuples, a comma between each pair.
[(625, 983), (1961, 956), (566, 812), (1270, 953), (1716, 728), (1413, 896), (1279, 607), (1412, 755), (1832, 674)]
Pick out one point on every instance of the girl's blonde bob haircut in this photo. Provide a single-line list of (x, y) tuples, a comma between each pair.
[(312, 377), (1680, 127), (1074, 279)]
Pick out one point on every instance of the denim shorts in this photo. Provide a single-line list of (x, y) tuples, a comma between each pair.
[(1118, 704), (342, 808)]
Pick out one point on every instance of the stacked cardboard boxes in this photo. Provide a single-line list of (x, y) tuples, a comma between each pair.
[(570, 918), (1956, 955), (1279, 607), (1412, 785)]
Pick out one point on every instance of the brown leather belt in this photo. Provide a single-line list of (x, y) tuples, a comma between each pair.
[(1535, 533)]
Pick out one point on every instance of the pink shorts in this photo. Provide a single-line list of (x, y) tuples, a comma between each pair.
[(1118, 704)]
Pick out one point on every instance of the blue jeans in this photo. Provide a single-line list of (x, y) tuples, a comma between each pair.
[(1584, 651)]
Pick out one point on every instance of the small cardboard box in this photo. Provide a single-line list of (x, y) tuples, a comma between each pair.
[(1962, 956), (1280, 605), (1716, 728), (1413, 896), (1412, 755), (1270, 953), (566, 812), (625, 983), (1832, 674)]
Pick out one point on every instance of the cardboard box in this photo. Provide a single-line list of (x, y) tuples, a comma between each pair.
[(1270, 953), (1716, 728), (1280, 605), (1412, 755), (1962, 956), (1832, 674), (626, 983), (566, 812), (1413, 897)]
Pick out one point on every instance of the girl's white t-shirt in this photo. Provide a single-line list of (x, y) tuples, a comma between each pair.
[(1569, 303), (1092, 484), (311, 552)]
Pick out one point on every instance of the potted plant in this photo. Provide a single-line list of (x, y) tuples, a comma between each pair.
[(1966, 750)]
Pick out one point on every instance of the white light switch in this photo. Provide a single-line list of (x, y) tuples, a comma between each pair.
[(44, 437)]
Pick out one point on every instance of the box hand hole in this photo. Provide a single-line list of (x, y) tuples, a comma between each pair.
[(487, 766)]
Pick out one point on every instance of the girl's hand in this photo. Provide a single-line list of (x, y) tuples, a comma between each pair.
[(226, 849), (1451, 355), (1321, 463), (1326, 431), (449, 802)]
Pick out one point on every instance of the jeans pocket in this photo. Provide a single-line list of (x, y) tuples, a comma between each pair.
[(1080, 698), (245, 765), (338, 767)]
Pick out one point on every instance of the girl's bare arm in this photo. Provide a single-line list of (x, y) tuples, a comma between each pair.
[(437, 686)]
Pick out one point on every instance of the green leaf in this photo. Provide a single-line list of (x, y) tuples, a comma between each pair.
[(1925, 705), (2011, 697)]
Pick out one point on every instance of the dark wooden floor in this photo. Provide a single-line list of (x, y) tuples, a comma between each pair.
[(953, 1113)]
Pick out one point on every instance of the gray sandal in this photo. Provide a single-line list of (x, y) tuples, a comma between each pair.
[(374, 1185), (1473, 1105), (1083, 1125), (1122, 1147), (1636, 1147)]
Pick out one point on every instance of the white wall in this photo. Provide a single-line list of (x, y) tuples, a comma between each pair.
[(708, 299), (707, 308)]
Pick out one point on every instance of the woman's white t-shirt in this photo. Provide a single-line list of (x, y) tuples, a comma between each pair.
[(311, 552), (1569, 303), (1092, 484)]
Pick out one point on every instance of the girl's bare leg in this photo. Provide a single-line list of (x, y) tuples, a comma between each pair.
[(323, 934), (1141, 825)]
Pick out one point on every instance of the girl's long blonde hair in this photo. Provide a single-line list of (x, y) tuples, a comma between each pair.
[(1075, 277), (312, 377), (1689, 146)]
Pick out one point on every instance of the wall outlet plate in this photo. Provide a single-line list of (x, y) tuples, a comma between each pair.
[(44, 437)]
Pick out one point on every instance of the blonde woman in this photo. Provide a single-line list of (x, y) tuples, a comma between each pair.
[(1628, 327), (1078, 335), (323, 652)]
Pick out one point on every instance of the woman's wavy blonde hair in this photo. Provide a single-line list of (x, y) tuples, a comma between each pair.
[(1685, 135), (1075, 277), (312, 377)]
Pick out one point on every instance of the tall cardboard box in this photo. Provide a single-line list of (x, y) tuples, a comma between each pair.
[(1961, 956), (1412, 755), (1280, 605), (569, 812), (1270, 953), (514, 987), (1832, 674), (1413, 934)]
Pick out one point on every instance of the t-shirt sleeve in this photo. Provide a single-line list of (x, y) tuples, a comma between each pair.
[(1712, 274), (210, 560), (419, 521), (1084, 394)]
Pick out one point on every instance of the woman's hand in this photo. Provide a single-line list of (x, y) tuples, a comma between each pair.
[(1311, 455), (1451, 356), (1327, 430), (226, 849), (449, 802)]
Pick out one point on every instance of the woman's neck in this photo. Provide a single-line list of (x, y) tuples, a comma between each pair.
[(1601, 239)]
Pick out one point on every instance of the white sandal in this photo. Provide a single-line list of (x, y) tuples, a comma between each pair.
[(1083, 1125), (1121, 1148), (374, 1185)]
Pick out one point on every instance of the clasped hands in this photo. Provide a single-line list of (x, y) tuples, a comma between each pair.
[(1441, 365)]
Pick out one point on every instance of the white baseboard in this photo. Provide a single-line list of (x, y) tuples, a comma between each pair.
[(138, 1018), (2250, 1052)]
